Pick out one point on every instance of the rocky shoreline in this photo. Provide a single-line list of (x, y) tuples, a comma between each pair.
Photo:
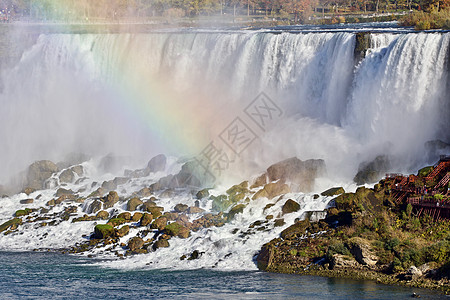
[(367, 235)]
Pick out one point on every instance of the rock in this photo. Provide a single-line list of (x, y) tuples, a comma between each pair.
[(11, 224), (110, 199), (26, 201), (265, 257), (123, 231), (109, 185), (362, 251), (39, 172), (94, 206), (220, 203), (136, 216), (181, 208), (102, 215), (176, 229), (125, 215), (22, 212), (159, 223), (161, 244), (146, 219), (67, 176), (63, 192), (301, 173), (156, 211), (260, 181), (343, 261), (28, 191), (370, 172), (133, 203), (237, 192), (202, 194), (272, 190), (195, 210), (116, 222), (296, 230), (238, 209), (278, 222), (156, 164), (290, 206), (144, 192), (414, 273), (103, 231), (171, 216), (79, 170), (333, 191), (135, 243)]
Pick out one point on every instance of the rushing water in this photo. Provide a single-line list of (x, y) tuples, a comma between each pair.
[(53, 276)]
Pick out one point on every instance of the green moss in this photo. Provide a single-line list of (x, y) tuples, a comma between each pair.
[(333, 191), (116, 221), (22, 212), (173, 228), (102, 231), (11, 223)]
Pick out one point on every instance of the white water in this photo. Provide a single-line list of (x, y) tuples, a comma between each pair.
[(72, 93)]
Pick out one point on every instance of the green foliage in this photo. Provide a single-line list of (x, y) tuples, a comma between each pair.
[(409, 210), (439, 252), (391, 244), (439, 197), (424, 21), (337, 247)]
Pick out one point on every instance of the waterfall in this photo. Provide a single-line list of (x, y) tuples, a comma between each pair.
[(101, 93)]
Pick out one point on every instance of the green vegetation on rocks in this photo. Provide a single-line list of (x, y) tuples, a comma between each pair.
[(103, 231), (22, 212), (13, 224)]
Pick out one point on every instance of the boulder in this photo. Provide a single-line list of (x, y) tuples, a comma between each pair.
[(38, 172), (116, 221), (296, 230), (171, 216), (125, 215), (176, 229), (103, 231), (370, 172), (362, 251), (333, 191), (156, 164), (290, 206), (202, 194), (133, 203), (22, 212), (272, 190), (135, 243), (63, 192), (123, 231), (343, 261), (26, 201), (162, 243), (260, 181), (11, 224), (156, 211), (136, 216), (110, 199), (413, 273), (238, 209), (94, 206), (181, 208), (159, 223), (67, 176), (301, 174), (146, 219), (102, 215), (195, 210)]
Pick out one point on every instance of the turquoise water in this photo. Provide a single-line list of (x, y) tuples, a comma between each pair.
[(54, 276)]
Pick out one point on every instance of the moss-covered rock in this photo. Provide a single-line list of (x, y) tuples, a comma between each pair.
[(156, 211), (116, 221), (103, 231), (290, 206), (176, 229), (11, 224), (202, 194), (333, 191), (22, 212), (220, 203)]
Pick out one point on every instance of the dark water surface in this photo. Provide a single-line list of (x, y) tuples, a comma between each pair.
[(53, 276)]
